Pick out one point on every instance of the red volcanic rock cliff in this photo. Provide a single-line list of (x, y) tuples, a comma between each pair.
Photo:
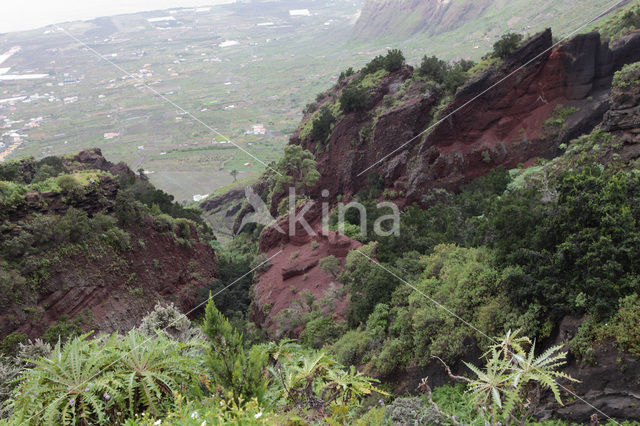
[(106, 289), (496, 119), (294, 270)]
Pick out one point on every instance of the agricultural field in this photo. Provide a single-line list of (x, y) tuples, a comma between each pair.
[(230, 67)]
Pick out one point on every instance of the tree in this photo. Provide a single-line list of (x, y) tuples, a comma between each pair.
[(344, 74), (237, 370), (329, 265), (234, 174), (142, 174), (234, 301), (321, 128), (126, 208), (507, 44), (298, 169), (353, 98), (375, 65), (433, 68), (455, 78), (394, 60), (368, 283)]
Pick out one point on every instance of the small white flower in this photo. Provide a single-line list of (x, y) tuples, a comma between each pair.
[(204, 422), (157, 422), (194, 415), (257, 415)]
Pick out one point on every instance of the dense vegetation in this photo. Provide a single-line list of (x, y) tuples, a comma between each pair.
[(620, 22), (55, 210), (510, 255)]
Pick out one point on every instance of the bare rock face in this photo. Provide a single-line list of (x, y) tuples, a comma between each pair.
[(496, 119), (294, 270), (93, 159), (623, 118), (113, 293), (608, 381)]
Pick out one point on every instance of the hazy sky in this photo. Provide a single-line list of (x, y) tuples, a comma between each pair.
[(18, 15)]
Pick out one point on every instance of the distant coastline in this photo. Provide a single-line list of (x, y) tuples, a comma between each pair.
[(14, 19)]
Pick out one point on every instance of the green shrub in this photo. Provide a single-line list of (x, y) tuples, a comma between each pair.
[(12, 287), (585, 243), (433, 68), (345, 74), (238, 370), (164, 223), (623, 327), (394, 60), (375, 65), (45, 172), (234, 270), (126, 208), (298, 169), (353, 98), (74, 225), (62, 330), (329, 265), (322, 124), (67, 183), (627, 76), (455, 78), (368, 285), (320, 331), (582, 344), (18, 171), (620, 22), (102, 222), (393, 355), (184, 227), (9, 345), (351, 346), (507, 44)]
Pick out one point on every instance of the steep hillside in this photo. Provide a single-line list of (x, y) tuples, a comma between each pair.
[(507, 216), (404, 18), (86, 244), (467, 20), (512, 119)]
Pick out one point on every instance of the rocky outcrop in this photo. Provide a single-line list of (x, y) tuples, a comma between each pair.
[(623, 116), (112, 291), (496, 119), (608, 381), (97, 196), (92, 159), (111, 280), (294, 270)]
